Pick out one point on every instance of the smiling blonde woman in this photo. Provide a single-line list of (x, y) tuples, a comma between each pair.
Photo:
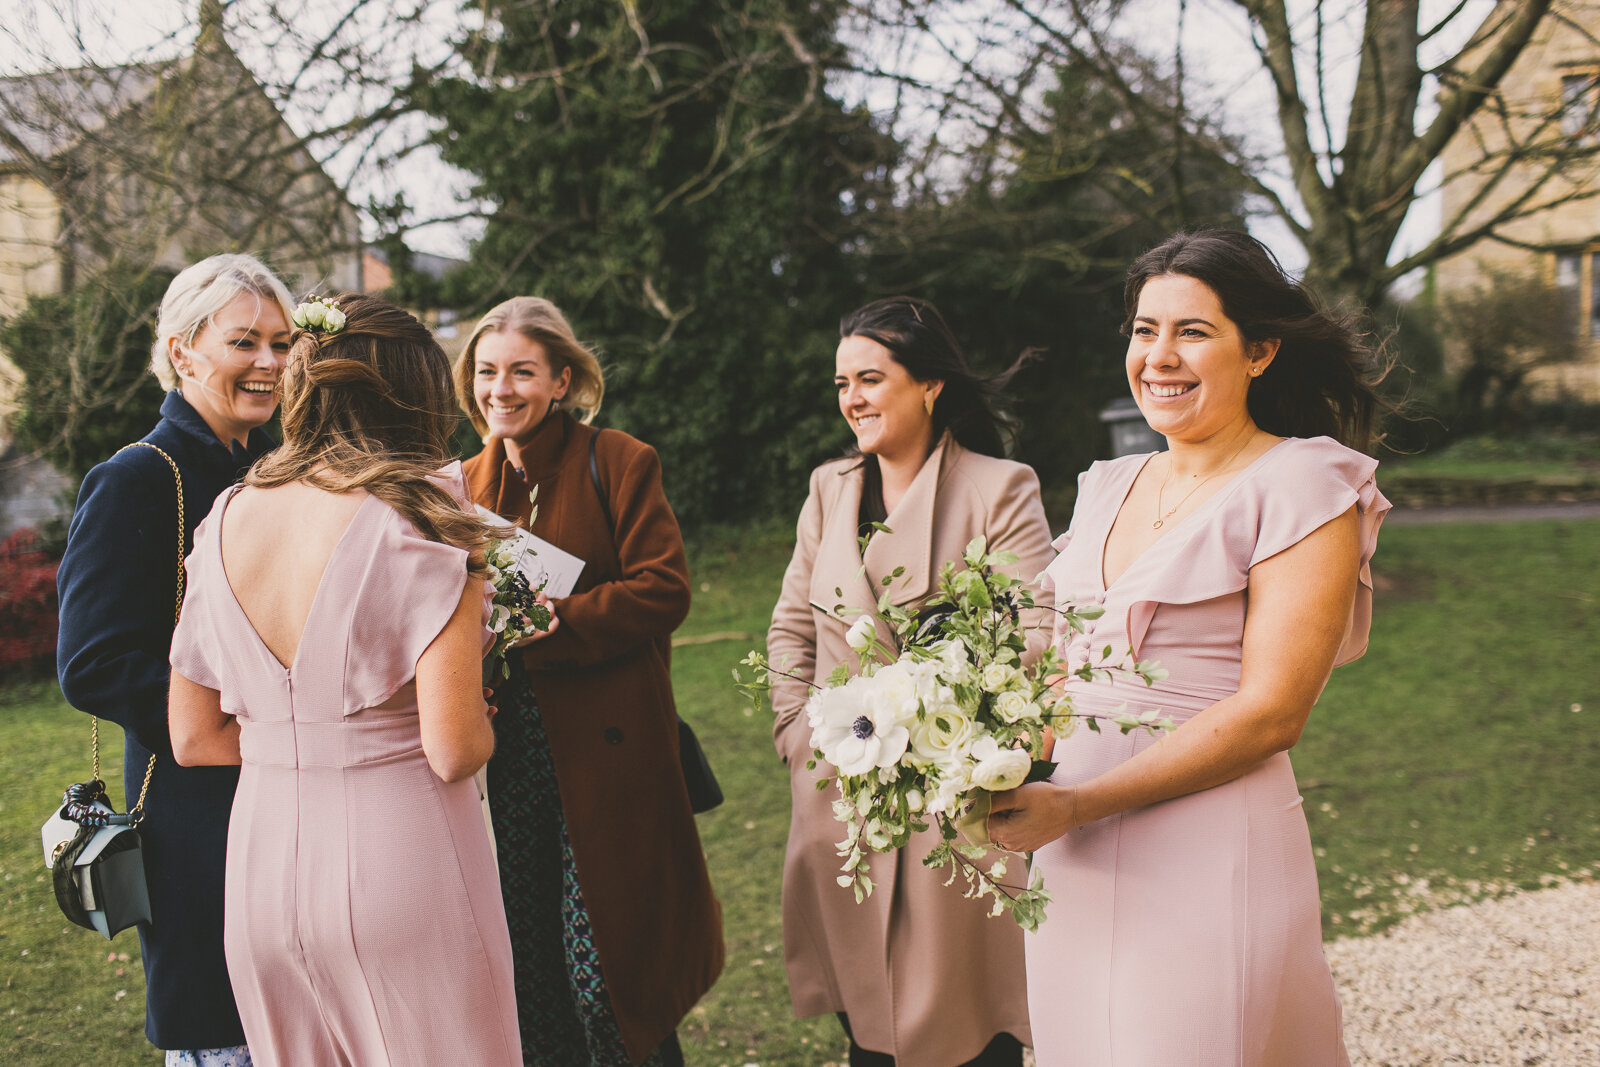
[(587, 794), (917, 974), (221, 339)]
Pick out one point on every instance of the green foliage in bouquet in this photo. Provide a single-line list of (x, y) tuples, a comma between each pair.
[(943, 713), (516, 611)]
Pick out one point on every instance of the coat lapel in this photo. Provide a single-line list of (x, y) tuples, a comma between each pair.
[(910, 545), (490, 477), (839, 554)]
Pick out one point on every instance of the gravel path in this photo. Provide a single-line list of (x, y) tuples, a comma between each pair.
[(1508, 981)]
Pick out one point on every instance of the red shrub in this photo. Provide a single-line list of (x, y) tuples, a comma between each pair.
[(27, 603)]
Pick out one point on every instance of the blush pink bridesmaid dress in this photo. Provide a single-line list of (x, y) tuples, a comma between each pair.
[(1189, 932), (364, 922)]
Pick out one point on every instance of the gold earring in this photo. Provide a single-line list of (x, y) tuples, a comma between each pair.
[(927, 402)]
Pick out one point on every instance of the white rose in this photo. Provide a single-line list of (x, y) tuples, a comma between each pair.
[(997, 768), (333, 320), (998, 676), (942, 734), (313, 311), (860, 634), (1013, 706)]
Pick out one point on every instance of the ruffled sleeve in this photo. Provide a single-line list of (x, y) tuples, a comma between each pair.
[(1316, 482), (1294, 489), (196, 651), (406, 594)]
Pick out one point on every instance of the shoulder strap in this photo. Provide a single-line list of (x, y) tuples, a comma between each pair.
[(136, 813)]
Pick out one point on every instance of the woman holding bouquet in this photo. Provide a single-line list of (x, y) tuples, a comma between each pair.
[(1186, 925), (340, 669), (613, 924), (917, 974)]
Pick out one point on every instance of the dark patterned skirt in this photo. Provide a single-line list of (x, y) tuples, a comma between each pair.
[(562, 1006)]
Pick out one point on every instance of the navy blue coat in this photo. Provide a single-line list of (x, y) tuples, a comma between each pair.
[(117, 583)]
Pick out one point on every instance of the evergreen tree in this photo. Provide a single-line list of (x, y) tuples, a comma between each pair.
[(677, 178), (84, 354)]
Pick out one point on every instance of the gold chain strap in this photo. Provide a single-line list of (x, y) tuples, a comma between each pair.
[(136, 813)]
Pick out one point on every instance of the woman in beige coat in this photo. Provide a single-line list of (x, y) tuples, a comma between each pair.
[(917, 974)]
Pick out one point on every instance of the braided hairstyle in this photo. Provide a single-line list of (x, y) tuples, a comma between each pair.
[(372, 407)]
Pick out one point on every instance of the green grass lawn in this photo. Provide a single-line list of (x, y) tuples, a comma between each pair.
[(1454, 761), (1490, 469)]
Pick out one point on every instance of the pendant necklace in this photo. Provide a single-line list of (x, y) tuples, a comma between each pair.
[(1161, 518)]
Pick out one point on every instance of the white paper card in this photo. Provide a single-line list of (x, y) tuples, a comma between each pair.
[(540, 561)]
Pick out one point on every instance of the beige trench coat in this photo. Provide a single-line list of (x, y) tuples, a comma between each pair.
[(923, 973)]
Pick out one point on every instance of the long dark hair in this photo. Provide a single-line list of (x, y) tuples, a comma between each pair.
[(916, 335), (373, 407), (1324, 379)]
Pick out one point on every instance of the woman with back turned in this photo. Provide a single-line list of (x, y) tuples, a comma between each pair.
[(331, 646)]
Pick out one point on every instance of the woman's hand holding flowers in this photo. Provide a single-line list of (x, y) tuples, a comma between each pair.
[(1024, 819), (555, 622)]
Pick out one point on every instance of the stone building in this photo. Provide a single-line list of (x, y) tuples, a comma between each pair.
[(151, 166), (1551, 100)]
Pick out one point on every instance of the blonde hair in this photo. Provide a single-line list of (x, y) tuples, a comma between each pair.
[(196, 296), (372, 407), (540, 321)]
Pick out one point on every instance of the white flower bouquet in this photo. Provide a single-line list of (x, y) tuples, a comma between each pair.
[(928, 730)]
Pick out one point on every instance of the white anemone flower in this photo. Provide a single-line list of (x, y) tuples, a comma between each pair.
[(858, 729)]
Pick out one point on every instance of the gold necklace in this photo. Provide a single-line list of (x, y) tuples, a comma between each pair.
[(1161, 519)]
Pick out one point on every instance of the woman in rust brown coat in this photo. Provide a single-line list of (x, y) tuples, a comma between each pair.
[(614, 928)]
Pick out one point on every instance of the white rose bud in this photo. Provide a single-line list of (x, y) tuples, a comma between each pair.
[(998, 676), (860, 634), (314, 312), (914, 800), (1005, 769), (1011, 705), (333, 320)]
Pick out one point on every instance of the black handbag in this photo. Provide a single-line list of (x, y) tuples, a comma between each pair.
[(698, 778), (96, 861), (94, 855)]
